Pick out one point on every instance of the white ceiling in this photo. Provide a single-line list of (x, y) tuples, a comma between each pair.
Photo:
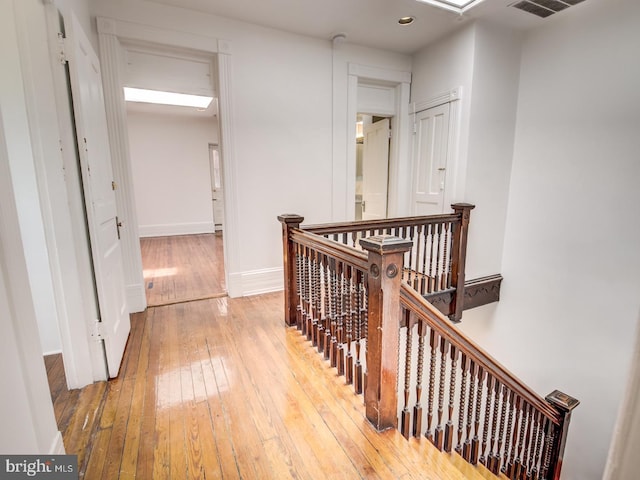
[(371, 23)]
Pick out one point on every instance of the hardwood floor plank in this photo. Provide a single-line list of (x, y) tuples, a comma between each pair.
[(245, 435), (77, 436), (301, 405), (164, 398), (224, 451), (178, 461), (96, 460), (133, 433), (144, 465), (182, 268)]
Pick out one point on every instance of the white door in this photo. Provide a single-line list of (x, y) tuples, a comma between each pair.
[(430, 160), (375, 170), (217, 191), (100, 202)]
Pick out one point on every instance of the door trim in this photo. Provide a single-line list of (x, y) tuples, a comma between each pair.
[(399, 151), (111, 34)]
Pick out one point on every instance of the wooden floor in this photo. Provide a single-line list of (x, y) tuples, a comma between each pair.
[(221, 389), (182, 268)]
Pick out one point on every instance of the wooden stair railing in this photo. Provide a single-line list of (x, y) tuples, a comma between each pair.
[(358, 309), (435, 263), (474, 405)]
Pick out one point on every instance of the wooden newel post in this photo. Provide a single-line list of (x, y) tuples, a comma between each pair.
[(565, 405), (386, 254), (289, 221), (459, 257)]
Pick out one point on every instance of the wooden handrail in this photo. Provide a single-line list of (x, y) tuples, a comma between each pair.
[(429, 314), (378, 224), (436, 260), (328, 247)]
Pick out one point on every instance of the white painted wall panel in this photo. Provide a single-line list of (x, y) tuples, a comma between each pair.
[(490, 150)]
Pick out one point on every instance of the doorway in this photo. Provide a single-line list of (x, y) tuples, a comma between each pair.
[(372, 166), (176, 174)]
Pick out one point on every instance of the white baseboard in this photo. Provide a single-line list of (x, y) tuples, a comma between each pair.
[(169, 229), (57, 445), (136, 298), (51, 352), (255, 282)]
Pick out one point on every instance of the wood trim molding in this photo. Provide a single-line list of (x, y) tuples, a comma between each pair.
[(399, 158), (112, 33), (366, 72), (477, 292), (124, 30), (169, 229), (257, 282), (229, 169), (350, 170), (450, 96)]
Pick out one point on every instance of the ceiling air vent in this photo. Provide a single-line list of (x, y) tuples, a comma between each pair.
[(544, 8)]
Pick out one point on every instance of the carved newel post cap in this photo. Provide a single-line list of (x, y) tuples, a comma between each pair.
[(562, 400), (382, 244), (462, 206), (290, 218)]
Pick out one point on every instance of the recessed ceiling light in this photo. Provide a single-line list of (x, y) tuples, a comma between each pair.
[(406, 20), (166, 98)]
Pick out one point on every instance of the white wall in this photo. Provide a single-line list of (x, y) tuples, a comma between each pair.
[(171, 175), (282, 120), (571, 259), (483, 59), (490, 149)]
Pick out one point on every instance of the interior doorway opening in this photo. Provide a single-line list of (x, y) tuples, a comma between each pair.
[(373, 140), (176, 174)]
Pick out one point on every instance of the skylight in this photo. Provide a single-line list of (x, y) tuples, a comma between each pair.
[(458, 6), (165, 98)]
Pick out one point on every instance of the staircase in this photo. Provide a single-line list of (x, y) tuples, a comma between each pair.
[(363, 293)]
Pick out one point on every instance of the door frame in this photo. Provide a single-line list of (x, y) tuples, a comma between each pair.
[(112, 34), (399, 161), (214, 147)]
